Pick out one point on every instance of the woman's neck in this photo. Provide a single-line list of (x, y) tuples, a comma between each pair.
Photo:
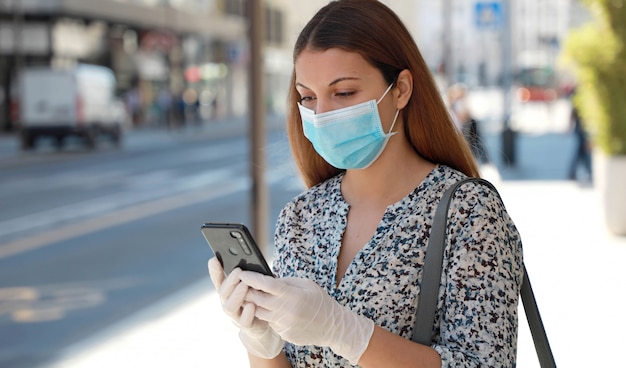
[(396, 173)]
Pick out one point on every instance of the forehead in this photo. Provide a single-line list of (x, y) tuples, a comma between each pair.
[(323, 67)]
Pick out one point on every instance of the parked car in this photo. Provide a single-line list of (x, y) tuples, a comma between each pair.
[(537, 84), (536, 93), (68, 102)]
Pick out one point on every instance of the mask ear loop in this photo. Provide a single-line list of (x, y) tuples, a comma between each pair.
[(394, 123), (397, 111), (385, 94)]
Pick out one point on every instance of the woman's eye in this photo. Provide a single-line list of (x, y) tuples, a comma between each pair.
[(307, 101), (344, 94)]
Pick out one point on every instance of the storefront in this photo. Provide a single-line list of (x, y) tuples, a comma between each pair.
[(151, 45)]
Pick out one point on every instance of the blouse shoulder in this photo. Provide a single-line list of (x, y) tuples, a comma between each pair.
[(447, 177)]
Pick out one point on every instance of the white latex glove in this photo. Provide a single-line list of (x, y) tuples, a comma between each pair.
[(257, 336), (301, 312)]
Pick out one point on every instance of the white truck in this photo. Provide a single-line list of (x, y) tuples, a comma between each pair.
[(79, 101)]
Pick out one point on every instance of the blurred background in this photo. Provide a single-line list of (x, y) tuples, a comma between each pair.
[(126, 124), (182, 62)]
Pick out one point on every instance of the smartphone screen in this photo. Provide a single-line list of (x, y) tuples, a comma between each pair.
[(234, 246)]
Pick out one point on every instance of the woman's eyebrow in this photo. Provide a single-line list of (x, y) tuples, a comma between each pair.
[(298, 84), (341, 80)]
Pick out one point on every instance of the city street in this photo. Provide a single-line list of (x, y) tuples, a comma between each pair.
[(87, 238)]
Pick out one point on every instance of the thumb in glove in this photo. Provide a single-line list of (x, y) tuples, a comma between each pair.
[(256, 335)]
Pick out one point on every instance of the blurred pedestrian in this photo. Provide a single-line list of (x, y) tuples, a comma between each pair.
[(192, 106), (165, 102), (178, 110), (133, 103), (582, 153), (457, 102), (376, 148)]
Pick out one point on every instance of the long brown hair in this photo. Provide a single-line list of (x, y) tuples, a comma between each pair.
[(371, 29)]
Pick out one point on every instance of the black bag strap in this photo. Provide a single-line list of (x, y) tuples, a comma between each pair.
[(427, 302)]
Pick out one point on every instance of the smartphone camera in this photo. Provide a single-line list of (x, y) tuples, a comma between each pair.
[(242, 243)]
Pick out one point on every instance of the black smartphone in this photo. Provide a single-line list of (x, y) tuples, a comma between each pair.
[(234, 246)]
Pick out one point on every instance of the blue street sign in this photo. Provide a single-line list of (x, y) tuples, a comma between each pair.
[(488, 15)]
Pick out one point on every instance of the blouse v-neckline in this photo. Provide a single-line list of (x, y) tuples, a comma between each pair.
[(386, 222)]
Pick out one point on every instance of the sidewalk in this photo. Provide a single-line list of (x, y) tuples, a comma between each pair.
[(574, 264)]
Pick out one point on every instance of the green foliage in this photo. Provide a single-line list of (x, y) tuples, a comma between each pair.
[(598, 52)]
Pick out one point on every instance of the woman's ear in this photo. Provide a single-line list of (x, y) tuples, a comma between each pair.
[(404, 88)]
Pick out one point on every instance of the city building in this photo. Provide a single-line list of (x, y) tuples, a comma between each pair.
[(194, 52), (466, 37)]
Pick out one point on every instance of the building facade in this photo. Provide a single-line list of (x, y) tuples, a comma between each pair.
[(467, 36), (191, 51)]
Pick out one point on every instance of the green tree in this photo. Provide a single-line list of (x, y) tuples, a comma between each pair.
[(598, 52)]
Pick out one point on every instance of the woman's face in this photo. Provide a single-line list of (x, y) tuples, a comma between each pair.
[(332, 79)]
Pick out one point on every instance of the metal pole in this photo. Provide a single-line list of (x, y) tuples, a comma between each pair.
[(508, 134), (257, 114)]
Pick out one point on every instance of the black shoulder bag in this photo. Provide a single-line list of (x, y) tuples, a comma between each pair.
[(427, 304)]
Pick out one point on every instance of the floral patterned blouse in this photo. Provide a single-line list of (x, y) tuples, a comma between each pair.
[(476, 318)]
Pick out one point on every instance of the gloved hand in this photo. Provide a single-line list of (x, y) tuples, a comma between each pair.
[(257, 336), (301, 312)]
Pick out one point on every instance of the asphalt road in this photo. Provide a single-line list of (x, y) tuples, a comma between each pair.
[(87, 238)]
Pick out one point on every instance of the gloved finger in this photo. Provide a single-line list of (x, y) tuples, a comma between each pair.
[(272, 308), (228, 285), (262, 282), (261, 299), (265, 315), (216, 271), (275, 287), (300, 283), (233, 304), (247, 315)]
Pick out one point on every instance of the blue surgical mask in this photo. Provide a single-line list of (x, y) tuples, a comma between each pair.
[(348, 138)]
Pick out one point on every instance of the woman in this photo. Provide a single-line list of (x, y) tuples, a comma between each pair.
[(377, 148)]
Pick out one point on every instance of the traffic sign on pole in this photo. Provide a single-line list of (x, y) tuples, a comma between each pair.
[(488, 15)]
